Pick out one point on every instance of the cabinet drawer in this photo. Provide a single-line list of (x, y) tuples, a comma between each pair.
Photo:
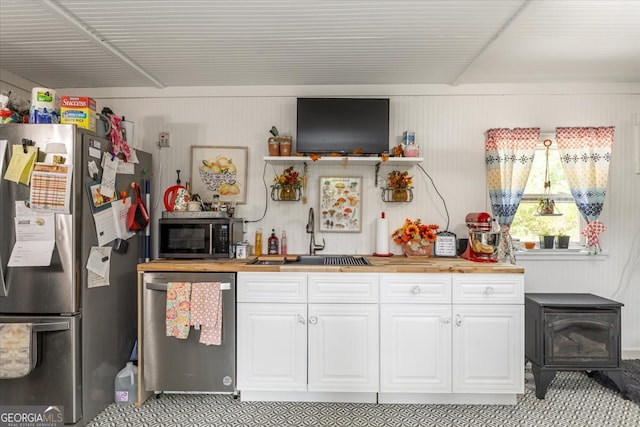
[(415, 288), (272, 287), (343, 287), (488, 289)]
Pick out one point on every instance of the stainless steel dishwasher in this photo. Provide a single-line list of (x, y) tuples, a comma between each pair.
[(185, 365)]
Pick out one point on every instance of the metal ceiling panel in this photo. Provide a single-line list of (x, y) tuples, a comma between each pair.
[(166, 43)]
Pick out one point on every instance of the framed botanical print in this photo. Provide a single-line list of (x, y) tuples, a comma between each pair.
[(221, 170), (340, 204)]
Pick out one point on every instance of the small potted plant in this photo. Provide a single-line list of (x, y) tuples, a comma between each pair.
[(288, 183), (562, 242), (399, 183), (546, 237), (546, 206), (415, 237)]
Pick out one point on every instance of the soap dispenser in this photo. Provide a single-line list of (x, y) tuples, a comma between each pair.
[(272, 243)]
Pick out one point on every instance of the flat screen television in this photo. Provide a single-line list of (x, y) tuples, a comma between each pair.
[(342, 125)]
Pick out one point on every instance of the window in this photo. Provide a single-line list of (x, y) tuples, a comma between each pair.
[(528, 224)]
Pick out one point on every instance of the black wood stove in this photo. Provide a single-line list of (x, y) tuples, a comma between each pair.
[(568, 332)]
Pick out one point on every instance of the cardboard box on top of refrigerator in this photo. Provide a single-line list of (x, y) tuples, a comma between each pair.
[(78, 110)]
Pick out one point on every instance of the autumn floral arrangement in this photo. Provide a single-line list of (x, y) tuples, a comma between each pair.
[(415, 237), (399, 180), (289, 178)]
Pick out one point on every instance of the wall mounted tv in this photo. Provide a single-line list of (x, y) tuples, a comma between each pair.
[(343, 125)]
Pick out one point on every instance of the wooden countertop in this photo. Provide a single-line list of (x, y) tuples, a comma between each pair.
[(394, 264)]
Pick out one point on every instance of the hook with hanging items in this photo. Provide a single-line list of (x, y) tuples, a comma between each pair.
[(26, 143)]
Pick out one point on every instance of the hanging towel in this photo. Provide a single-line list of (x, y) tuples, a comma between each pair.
[(177, 314), (18, 352), (206, 311)]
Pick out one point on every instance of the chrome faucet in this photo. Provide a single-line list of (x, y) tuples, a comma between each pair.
[(313, 247)]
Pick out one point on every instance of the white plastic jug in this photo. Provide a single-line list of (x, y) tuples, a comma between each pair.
[(126, 384)]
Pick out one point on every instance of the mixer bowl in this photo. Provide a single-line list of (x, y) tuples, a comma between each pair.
[(484, 244)]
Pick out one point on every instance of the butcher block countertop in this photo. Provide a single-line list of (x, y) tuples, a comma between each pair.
[(394, 264)]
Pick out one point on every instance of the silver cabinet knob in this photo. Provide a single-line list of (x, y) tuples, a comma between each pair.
[(301, 319), (445, 320), (313, 320), (458, 320), (488, 290), (416, 289)]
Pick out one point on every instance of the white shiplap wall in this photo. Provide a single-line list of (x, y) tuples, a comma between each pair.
[(450, 130)]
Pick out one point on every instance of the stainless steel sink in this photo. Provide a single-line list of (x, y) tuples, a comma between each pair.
[(338, 260), (265, 262)]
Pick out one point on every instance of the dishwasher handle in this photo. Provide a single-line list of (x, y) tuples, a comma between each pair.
[(162, 287)]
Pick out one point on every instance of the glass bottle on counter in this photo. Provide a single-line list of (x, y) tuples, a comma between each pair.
[(283, 243), (272, 244), (257, 248)]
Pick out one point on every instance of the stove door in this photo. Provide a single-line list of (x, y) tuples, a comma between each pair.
[(587, 338)]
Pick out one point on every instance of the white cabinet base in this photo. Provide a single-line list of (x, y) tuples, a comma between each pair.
[(306, 396), (448, 398)]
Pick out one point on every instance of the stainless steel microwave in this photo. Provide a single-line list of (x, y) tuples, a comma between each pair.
[(199, 237)]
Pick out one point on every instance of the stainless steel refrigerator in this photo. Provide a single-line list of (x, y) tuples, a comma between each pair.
[(82, 336)]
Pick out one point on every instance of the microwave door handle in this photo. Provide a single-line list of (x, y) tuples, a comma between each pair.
[(211, 238)]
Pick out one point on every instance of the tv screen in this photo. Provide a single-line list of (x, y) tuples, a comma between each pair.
[(343, 125)]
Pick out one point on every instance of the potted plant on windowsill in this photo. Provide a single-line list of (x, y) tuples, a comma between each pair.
[(546, 237), (562, 241)]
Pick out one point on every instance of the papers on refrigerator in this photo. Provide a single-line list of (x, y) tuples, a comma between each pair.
[(3, 150), (51, 188), (105, 226), (19, 168), (98, 266), (35, 238), (120, 209), (109, 170)]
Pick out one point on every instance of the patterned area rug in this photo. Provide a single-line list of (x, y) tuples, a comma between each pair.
[(631, 376), (572, 400)]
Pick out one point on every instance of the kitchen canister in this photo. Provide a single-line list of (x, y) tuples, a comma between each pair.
[(242, 249), (45, 106)]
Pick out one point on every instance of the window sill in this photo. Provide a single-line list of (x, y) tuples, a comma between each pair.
[(559, 255)]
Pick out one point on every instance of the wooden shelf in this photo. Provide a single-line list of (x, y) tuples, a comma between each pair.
[(351, 161)]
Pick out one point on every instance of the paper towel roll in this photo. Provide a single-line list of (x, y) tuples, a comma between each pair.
[(382, 235), (45, 106)]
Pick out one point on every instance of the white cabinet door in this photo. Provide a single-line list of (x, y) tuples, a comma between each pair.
[(343, 347), (415, 348), (272, 346), (488, 349)]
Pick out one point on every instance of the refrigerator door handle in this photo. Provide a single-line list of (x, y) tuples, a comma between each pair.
[(162, 287), (51, 326)]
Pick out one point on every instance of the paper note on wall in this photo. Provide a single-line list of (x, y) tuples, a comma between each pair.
[(21, 163)]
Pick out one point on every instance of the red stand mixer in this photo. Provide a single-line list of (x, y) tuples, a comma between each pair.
[(483, 239)]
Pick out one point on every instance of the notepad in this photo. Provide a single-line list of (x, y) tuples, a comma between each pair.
[(21, 164)]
